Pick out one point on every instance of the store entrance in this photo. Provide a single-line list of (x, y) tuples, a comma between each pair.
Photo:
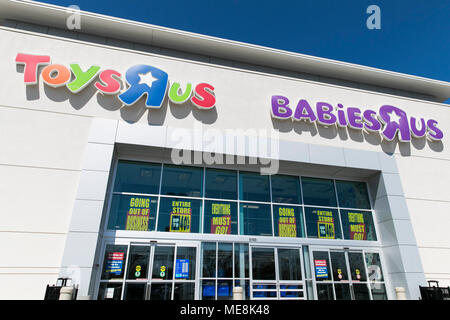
[(277, 273), (161, 271), (340, 275)]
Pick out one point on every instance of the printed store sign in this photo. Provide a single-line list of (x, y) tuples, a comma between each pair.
[(321, 268), (182, 269), (221, 220), (138, 81), (287, 224), (325, 224), (357, 226), (180, 217), (114, 263), (138, 214)]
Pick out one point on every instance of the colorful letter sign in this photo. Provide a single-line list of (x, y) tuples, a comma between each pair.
[(390, 121), (142, 81), (138, 214), (181, 216), (287, 224), (221, 218)]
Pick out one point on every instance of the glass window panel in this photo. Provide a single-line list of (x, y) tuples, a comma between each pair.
[(221, 184), (289, 264), (224, 289), (185, 263), (179, 215), (114, 262), (110, 291), (263, 263), (319, 192), (321, 263), (184, 291), (244, 284), (288, 221), (264, 294), (339, 266), (208, 290), (358, 225), (357, 269), (137, 213), (322, 223), (374, 266), (254, 187), (135, 291), (209, 259), (342, 291), (378, 291), (225, 260), (352, 194), (361, 291), (241, 260), (285, 189), (325, 291), (138, 262), (255, 219), (161, 291), (220, 217), (306, 262), (138, 177), (291, 294), (182, 181), (309, 290), (163, 262)]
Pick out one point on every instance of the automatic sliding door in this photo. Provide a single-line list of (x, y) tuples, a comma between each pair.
[(264, 285), (173, 273), (340, 275), (277, 273)]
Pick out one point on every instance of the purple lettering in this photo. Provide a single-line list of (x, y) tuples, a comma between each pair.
[(325, 114), (342, 120), (434, 133), (394, 119), (416, 132), (280, 107), (354, 118), (370, 121), (304, 110)]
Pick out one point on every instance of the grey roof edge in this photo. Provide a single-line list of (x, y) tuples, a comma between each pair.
[(112, 27)]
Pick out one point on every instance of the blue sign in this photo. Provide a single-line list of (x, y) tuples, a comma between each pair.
[(321, 268), (182, 269)]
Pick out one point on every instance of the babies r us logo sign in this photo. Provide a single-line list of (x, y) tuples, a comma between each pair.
[(138, 81)]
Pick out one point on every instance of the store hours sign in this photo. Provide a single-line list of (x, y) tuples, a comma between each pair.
[(389, 121)]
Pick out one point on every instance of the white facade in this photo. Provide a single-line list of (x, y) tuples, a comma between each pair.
[(58, 149)]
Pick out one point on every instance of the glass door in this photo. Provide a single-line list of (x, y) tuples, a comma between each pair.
[(276, 273), (174, 272), (156, 271), (340, 275)]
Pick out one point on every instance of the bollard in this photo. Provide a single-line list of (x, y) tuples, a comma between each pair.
[(66, 293), (401, 293), (237, 293)]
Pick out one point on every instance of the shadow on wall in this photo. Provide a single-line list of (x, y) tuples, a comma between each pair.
[(130, 114), (346, 133)]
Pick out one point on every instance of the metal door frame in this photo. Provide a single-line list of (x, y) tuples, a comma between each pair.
[(277, 280)]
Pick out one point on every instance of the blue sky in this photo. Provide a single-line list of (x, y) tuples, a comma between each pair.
[(413, 39)]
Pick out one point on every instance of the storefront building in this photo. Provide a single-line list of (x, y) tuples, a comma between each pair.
[(149, 163)]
